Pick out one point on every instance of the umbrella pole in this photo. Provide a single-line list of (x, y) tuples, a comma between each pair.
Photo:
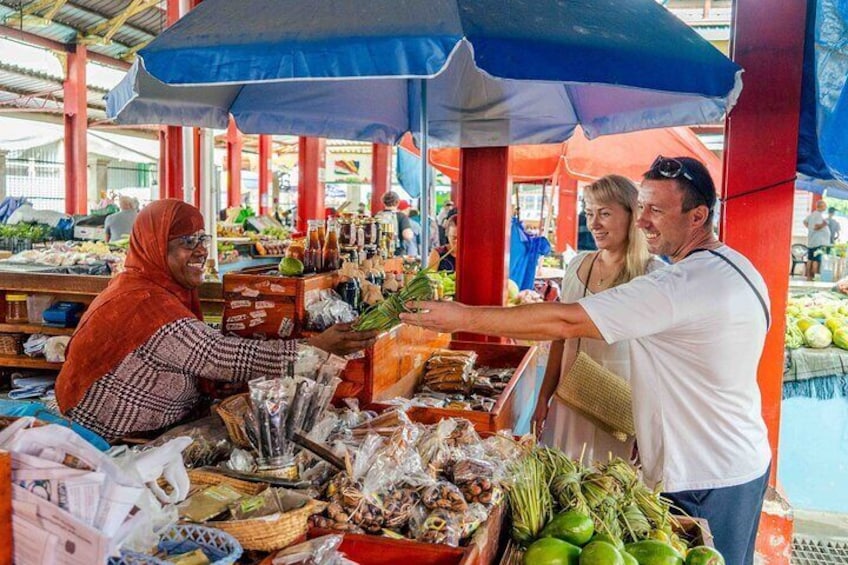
[(425, 180)]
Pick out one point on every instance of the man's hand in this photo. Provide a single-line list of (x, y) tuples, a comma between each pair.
[(444, 317), (540, 414), (341, 339)]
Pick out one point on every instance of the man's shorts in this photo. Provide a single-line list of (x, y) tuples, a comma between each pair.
[(815, 253)]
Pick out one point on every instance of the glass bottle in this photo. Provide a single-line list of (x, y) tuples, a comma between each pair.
[(313, 256), (331, 256)]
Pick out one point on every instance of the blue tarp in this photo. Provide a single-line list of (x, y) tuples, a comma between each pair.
[(822, 140), (524, 252)]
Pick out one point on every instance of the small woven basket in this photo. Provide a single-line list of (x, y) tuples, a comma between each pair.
[(11, 344), (201, 478), (203, 536), (272, 533), (232, 411)]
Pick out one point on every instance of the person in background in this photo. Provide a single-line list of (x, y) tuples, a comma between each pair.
[(135, 359), (440, 220), (833, 225), (119, 224), (818, 237), (611, 212), (403, 230), (444, 258), (585, 241), (362, 209), (696, 330), (413, 246)]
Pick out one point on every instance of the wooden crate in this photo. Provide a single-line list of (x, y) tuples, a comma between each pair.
[(261, 303), (515, 403), (387, 367), (482, 549)]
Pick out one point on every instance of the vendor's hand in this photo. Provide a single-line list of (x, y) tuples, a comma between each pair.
[(444, 317), (537, 424), (341, 339)]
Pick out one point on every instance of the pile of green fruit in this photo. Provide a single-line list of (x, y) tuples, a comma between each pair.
[(568, 514), (291, 267)]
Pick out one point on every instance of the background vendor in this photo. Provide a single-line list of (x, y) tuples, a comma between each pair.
[(134, 361), (444, 258)]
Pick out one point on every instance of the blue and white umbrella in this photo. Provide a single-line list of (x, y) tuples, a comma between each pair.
[(458, 73)]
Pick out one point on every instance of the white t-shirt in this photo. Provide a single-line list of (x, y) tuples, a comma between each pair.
[(697, 332), (817, 238)]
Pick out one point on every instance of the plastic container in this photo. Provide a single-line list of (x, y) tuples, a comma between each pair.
[(36, 305), (16, 309), (827, 266)]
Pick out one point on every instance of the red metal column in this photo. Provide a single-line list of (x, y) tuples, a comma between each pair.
[(381, 171), (264, 172), (172, 164), (484, 215), (760, 164), (163, 162), (566, 229), (76, 127), (311, 159), (6, 550), (234, 146)]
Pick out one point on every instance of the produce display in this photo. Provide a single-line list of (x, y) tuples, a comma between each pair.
[(566, 513), (67, 254), (33, 232), (817, 321), (451, 380), (433, 484)]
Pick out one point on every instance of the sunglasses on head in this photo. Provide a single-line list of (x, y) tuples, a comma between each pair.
[(671, 168), (192, 241)]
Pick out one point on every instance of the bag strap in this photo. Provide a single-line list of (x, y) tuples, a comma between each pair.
[(586, 288), (744, 276)]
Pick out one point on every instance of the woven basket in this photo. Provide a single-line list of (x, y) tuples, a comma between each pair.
[(273, 532), (203, 536), (11, 344), (201, 478), (232, 411), (599, 395)]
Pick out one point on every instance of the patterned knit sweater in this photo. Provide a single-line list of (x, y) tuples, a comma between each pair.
[(155, 386)]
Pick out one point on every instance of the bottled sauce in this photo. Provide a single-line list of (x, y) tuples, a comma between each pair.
[(321, 232), (347, 231), (331, 257), (16, 309), (313, 255)]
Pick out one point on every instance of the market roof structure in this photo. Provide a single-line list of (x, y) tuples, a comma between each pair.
[(111, 30)]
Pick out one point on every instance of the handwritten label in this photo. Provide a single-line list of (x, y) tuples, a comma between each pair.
[(240, 304)]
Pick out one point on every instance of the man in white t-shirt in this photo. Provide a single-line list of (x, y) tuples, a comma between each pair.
[(818, 238), (696, 330)]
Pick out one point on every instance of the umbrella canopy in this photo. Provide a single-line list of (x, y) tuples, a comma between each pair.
[(499, 72), (627, 154)]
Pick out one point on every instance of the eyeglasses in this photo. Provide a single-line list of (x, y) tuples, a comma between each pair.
[(671, 168), (192, 241)]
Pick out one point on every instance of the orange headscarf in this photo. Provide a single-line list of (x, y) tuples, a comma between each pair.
[(136, 304)]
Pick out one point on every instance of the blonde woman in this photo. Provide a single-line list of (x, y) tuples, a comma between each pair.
[(610, 206)]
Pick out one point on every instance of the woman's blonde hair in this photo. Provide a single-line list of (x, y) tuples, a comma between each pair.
[(616, 188)]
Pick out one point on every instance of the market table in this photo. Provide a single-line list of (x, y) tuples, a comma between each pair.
[(815, 372)]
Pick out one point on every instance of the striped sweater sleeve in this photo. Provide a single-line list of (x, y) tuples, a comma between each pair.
[(190, 346)]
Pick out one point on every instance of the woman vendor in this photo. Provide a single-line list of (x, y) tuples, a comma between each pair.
[(134, 361), (444, 258)]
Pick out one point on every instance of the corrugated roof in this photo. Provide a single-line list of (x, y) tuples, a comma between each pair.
[(69, 22)]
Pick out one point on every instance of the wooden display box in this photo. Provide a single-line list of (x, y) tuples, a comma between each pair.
[(387, 366), (261, 303), (482, 549), (515, 403)]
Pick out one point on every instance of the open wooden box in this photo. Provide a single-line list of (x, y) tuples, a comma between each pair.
[(515, 403), (482, 549)]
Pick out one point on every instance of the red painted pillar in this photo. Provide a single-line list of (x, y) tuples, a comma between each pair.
[(760, 164), (311, 159), (172, 164), (264, 172), (381, 172), (6, 550), (76, 127), (163, 162), (566, 229), (483, 258), (234, 146)]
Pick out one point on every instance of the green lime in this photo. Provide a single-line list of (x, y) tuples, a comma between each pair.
[(570, 526), (552, 551)]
